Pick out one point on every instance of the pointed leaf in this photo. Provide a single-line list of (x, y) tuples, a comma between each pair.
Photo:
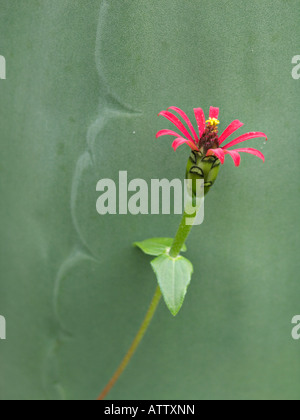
[(156, 246), (173, 276)]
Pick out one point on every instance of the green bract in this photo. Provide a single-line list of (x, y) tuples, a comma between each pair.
[(203, 167)]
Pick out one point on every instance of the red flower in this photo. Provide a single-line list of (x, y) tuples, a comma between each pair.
[(209, 142)]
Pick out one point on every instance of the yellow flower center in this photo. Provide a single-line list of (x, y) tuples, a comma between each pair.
[(213, 122)]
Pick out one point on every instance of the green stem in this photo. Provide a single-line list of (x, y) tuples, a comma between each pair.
[(136, 342), (181, 236)]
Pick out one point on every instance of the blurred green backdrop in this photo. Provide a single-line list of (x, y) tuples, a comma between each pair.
[(85, 81)]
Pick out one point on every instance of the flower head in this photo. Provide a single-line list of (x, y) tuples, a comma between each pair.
[(208, 142)]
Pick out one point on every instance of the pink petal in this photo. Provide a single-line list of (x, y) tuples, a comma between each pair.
[(166, 133), (187, 120), (177, 123), (245, 137), (235, 156), (220, 153), (200, 118), (254, 152), (178, 142), (235, 125), (214, 112)]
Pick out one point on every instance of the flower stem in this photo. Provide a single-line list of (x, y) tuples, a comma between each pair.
[(178, 243), (136, 342), (181, 236)]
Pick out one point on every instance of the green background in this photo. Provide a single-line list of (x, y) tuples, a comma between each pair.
[(85, 81)]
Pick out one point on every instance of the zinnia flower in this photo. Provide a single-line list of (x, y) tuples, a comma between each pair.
[(208, 142)]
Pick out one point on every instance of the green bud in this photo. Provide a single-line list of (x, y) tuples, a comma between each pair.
[(203, 167)]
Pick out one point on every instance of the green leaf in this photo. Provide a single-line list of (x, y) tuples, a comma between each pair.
[(174, 276), (156, 246)]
